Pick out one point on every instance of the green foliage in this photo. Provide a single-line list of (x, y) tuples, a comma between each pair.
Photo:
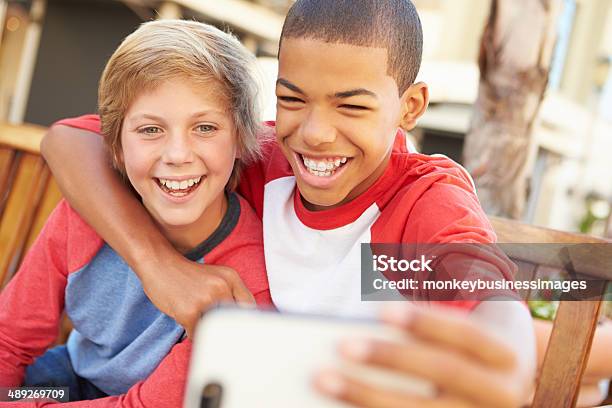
[(543, 309)]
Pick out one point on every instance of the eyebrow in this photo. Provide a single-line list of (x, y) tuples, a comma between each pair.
[(355, 92), (145, 116), (209, 111), (338, 95), (289, 85)]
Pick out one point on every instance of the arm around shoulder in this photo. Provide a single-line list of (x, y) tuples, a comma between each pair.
[(79, 161)]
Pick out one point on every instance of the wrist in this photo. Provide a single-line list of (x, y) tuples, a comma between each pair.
[(151, 252)]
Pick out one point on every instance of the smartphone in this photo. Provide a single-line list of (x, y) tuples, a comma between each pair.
[(251, 357)]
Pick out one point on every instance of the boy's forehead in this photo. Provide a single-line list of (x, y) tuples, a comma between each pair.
[(179, 93), (307, 46), (342, 64)]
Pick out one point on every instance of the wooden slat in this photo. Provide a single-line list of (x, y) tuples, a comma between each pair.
[(28, 186), (591, 254), (22, 137), (594, 259), (50, 198), (509, 231), (7, 157), (569, 346), (567, 354)]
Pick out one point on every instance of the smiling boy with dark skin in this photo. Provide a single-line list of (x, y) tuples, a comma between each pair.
[(339, 174)]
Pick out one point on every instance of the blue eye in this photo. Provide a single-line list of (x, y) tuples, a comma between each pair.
[(150, 130), (205, 128)]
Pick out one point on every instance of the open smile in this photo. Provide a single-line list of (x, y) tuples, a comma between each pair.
[(178, 188), (321, 172), (326, 167)]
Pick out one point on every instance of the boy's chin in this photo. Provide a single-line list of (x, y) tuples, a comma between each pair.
[(172, 221), (320, 199)]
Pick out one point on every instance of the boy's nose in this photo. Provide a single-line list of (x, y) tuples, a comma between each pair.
[(316, 130), (177, 150)]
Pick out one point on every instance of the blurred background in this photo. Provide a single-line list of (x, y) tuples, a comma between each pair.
[(52, 53)]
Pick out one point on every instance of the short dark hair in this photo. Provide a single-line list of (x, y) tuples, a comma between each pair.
[(390, 24)]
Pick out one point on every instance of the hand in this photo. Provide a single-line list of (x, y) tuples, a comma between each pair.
[(468, 365), (184, 290)]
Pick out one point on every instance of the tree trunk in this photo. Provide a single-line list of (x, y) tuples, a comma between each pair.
[(515, 57)]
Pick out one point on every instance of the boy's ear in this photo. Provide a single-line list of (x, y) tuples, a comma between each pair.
[(414, 103)]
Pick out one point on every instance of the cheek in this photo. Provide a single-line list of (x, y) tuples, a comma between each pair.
[(138, 161), (392, 115), (219, 155), (286, 121)]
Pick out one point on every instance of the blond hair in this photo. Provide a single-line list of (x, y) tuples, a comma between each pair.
[(168, 49)]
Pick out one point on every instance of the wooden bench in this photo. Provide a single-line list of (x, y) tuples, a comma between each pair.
[(28, 193), (575, 322)]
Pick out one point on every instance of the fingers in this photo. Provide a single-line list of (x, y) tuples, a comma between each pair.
[(203, 292), (238, 289), (456, 354), (449, 328), (241, 294), (450, 372), (352, 391), (184, 292)]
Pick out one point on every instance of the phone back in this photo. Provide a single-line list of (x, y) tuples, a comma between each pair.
[(257, 358)]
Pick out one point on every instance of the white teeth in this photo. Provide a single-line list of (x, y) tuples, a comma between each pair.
[(323, 167), (179, 185)]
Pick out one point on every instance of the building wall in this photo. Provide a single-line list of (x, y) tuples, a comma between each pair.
[(452, 28), (585, 48), (77, 39)]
